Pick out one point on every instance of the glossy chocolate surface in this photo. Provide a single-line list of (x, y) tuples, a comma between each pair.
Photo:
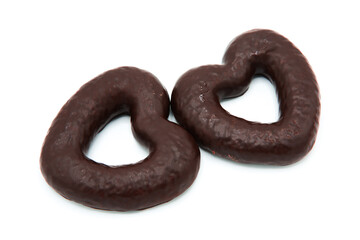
[(169, 170), (196, 101)]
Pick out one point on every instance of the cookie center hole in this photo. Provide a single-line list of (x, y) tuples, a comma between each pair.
[(258, 104), (115, 145)]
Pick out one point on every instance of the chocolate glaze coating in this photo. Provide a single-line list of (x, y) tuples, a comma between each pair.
[(169, 170), (196, 101)]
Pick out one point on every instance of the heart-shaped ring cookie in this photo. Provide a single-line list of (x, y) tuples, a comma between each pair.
[(196, 101)]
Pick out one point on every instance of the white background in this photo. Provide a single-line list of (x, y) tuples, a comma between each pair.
[(49, 49)]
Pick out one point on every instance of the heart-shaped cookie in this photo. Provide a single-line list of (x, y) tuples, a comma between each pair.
[(169, 170), (196, 101)]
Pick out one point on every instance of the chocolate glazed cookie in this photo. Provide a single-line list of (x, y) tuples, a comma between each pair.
[(169, 170), (197, 94)]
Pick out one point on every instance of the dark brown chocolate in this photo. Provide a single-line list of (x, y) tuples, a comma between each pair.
[(197, 94), (169, 170)]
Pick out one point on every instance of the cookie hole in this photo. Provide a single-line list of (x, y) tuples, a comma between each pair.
[(259, 104), (115, 145)]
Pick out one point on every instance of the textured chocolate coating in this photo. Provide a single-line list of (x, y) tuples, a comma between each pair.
[(169, 170), (196, 101)]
